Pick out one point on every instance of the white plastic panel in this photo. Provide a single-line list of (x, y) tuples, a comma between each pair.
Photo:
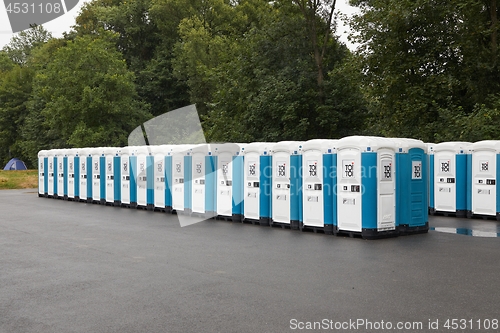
[(141, 179), (281, 187), (71, 176), (178, 184), (386, 219), (83, 177), (125, 179), (349, 189), (110, 183), (312, 199), (41, 175), (252, 186), (50, 172), (225, 184), (159, 180), (198, 182), (484, 183), (96, 176), (445, 181), (60, 175)]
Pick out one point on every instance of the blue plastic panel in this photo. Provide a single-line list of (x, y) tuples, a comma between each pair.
[(328, 188), (150, 178), (168, 181), (102, 176), (469, 182), (238, 194), (133, 179), (210, 184), (45, 175), (461, 181), (55, 175), (117, 178), (65, 172), (431, 182), (76, 168), (369, 191), (188, 161), (296, 187), (265, 181)]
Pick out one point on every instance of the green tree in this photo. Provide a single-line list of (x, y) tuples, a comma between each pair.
[(15, 90), (424, 59), (147, 31), (22, 44), (86, 96)]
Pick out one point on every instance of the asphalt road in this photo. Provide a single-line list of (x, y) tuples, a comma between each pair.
[(73, 267)]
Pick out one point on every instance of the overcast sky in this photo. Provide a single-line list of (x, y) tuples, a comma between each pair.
[(64, 22)]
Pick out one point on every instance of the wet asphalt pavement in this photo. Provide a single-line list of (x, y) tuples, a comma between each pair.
[(74, 267)]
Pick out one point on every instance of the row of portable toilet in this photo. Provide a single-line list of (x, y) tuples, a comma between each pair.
[(464, 178), (357, 185)]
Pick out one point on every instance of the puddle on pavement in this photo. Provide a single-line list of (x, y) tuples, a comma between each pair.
[(467, 232)]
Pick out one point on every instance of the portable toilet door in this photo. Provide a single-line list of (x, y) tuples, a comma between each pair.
[(96, 154), (42, 174), (450, 178), (85, 174), (109, 175), (51, 181), (180, 189), (257, 182), (202, 184), (366, 190), (62, 160), (319, 164), (70, 179), (117, 180), (286, 198), (73, 180), (485, 174), (159, 171), (230, 166), (125, 177), (412, 187), (145, 180)]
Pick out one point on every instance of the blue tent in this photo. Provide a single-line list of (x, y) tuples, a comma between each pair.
[(15, 164)]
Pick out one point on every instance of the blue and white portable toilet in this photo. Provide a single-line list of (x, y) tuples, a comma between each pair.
[(145, 178), (484, 178), (229, 157), (42, 173), (449, 178), (85, 161), (286, 198), (366, 186), (412, 203), (319, 177), (52, 173), (180, 184), (128, 188), (203, 180), (159, 171), (73, 179), (110, 176), (257, 182)]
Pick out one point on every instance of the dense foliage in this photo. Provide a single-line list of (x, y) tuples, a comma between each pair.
[(257, 71)]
